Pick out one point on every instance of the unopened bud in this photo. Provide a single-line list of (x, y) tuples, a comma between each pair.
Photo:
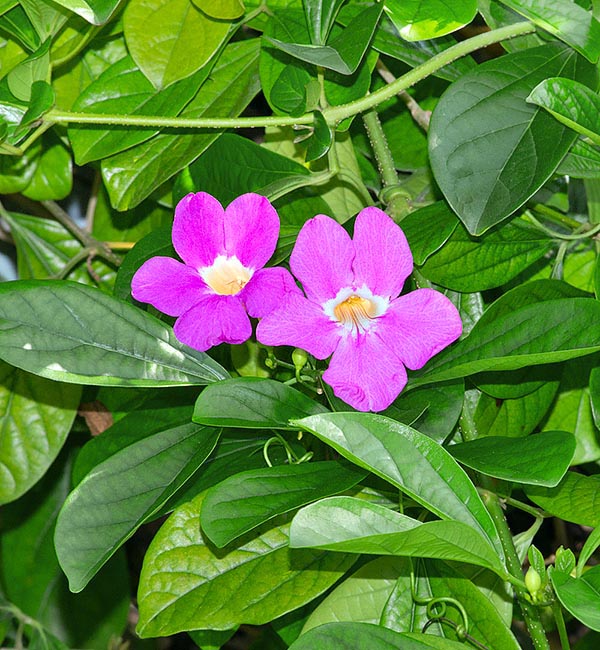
[(533, 581), (299, 358)]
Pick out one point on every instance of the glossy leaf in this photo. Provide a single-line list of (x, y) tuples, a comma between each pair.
[(185, 584), (351, 525), (171, 39), (21, 79), (418, 21), (69, 332), (407, 459), (573, 499), (320, 16), (554, 330), (36, 416), (580, 596), (428, 229), (321, 139), (541, 459), (244, 501), (53, 176), (131, 176), (469, 264), (571, 103), (589, 548), (113, 500), (96, 12), (251, 402), (582, 161), (221, 9), (345, 636), (564, 19), (489, 150)]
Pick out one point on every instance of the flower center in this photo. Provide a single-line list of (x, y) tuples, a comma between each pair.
[(355, 312), (227, 275)]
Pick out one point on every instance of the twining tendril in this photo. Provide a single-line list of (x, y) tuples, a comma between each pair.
[(292, 456)]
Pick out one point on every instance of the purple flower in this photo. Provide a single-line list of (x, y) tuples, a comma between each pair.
[(222, 279), (352, 311)]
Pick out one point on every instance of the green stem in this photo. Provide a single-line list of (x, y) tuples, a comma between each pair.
[(560, 625), (557, 217), (333, 114)]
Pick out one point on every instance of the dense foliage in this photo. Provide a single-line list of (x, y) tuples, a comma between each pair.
[(220, 486)]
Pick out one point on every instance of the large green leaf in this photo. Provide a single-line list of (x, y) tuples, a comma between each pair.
[(35, 418), (222, 9), (53, 175), (254, 403), (352, 525), (67, 331), (123, 89), (96, 12), (574, 499), (490, 150), (120, 493), (550, 331), (582, 161), (349, 636), (407, 459), (428, 229), (580, 596), (469, 264), (571, 103), (541, 459), (133, 175), (565, 20), (320, 16), (186, 585), (244, 501), (34, 582), (417, 21), (171, 39)]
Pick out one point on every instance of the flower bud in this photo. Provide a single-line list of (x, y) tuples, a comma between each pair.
[(299, 358), (533, 581)]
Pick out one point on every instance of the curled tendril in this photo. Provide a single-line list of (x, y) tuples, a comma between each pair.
[(292, 457)]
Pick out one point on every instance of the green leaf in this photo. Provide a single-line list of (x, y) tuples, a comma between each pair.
[(252, 402), (589, 548), (320, 16), (407, 459), (550, 331), (418, 21), (53, 175), (221, 9), (292, 91), (36, 67), (171, 39), (321, 138), (351, 525), (465, 263), (244, 501), (33, 579), (580, 596), (186, 585), (489, 150), (122, 492), (42, 100), (542, 459), (133, 175), (564, 19), (45, 247), (347, 636), (344, 53), (582, 161), (67, 331), (574, 499), (571, 103), (96, 12), (234, 165), (123, 89), (36, 416)]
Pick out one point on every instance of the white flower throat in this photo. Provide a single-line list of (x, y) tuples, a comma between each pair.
[(227, 276), (356, 310)]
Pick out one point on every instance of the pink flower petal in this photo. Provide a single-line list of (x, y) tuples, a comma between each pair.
[(301, 324), (198, 230), (322, 258), (168, 285), (267, 289), (418, 325), (215, 319), (251, 230), (383, 259), (364, 374)]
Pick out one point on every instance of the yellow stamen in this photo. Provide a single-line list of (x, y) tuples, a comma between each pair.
[(227, 276), (355, 312)]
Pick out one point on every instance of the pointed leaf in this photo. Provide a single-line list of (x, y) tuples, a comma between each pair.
[(320, 16), (417, 21), (96, 12), (67, 331), (427, 229), (186, 585), (580, 596), (120, 493), (354, 526), (407, 459), (246, 500), (251, 402), (541, 459), (490, 150)]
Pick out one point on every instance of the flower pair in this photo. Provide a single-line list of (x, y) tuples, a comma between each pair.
[(350, 310)]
